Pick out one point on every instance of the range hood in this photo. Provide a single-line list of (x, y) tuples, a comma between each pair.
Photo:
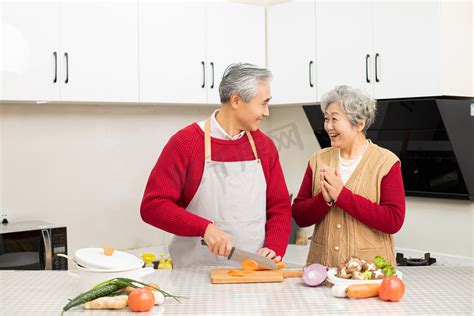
[(433, 137)]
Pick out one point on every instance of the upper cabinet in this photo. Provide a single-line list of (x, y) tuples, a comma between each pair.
[(29, 46), (70, 51), (344, 45), (235, 34), (172, 51), (406, 48), (185, 47), (389, 49), (175, 52), (99, 53), (291, 52)]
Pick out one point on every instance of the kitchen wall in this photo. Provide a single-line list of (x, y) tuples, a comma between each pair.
[(85, 166)]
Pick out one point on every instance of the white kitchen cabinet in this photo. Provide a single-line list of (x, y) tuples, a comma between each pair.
[(235, 33), (30, 49), (291, 52), (99, 52), (172, 50), (184, 47), (407, 48), (388, 49), (70, 51), (344, 45)]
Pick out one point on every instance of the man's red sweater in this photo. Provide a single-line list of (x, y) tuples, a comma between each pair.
[(387, 216), (177, 174)]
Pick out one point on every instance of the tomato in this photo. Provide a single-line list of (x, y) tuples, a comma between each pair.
[(141, 300), (391, 289)]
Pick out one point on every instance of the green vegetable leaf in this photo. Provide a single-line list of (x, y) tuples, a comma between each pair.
[(367, 275), (380, 262)]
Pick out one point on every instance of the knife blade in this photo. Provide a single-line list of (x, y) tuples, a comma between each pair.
[(240, 255)]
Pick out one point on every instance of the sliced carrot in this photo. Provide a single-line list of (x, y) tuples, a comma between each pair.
[(281, 265), (363, 290), (249, 265), (238, 273)]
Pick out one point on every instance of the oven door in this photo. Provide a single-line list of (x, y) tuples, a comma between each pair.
[(26, 250)]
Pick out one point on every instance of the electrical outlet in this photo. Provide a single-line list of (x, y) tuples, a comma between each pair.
[(4, 219)]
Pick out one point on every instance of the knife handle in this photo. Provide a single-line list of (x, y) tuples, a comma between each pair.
[(204, 243)]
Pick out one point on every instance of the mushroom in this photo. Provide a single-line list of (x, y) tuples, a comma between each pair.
[(370, 267), (357, 276), (354, 265), (353, 258), (378, 274), (342, 272)]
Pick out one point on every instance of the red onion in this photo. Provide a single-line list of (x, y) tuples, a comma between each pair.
[(315, 274)]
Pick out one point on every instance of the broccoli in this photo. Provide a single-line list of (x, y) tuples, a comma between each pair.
[(381, 263), (389, 271), (367, 275)]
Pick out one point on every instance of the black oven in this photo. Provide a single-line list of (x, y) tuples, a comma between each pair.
[(32, 246)]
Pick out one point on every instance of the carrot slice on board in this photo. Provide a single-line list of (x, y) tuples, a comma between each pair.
[(281, 265), (238, 273), (249, 265)]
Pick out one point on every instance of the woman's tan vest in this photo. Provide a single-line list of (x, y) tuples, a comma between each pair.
[(339, 235)]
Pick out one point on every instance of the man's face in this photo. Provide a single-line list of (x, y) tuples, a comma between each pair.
[(249, 114)]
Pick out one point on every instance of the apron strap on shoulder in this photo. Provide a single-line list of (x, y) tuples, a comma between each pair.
[(207, 141), (252, 144)]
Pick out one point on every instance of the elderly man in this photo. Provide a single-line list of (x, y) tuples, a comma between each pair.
[(220, 180)]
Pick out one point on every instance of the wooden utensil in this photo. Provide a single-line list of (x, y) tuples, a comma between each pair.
[(221, 276)]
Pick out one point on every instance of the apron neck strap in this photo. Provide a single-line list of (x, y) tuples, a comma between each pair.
[(207, 142), (252, 143)]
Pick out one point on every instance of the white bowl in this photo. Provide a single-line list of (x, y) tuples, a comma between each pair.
[(90, 277), (335, 280)]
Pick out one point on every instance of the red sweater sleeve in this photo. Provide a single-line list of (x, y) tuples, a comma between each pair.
[(278, 225), (308, 210), (389, 214), (166, 182)]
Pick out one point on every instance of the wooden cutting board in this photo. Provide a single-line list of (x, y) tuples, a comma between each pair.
[(221, 276)]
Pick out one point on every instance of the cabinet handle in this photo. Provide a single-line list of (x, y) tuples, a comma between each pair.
[(203, 74), (376, 68), (367, 68), (310, 72), (55, 54), (66, 55), (212, 81)]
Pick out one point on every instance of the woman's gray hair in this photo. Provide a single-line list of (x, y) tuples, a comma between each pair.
[(243, 79), (358, 105)]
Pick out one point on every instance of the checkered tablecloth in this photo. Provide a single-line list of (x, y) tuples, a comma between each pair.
[(429, 291)]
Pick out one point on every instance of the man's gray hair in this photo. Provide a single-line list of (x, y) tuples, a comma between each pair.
[(243, 79), (358, 105)]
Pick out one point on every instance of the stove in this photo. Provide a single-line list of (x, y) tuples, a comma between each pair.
[(415, 262)]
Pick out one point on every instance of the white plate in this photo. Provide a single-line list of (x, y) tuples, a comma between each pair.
[(335, 280), (94, 258)]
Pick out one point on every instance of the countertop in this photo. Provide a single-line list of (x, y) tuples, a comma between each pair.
[(429, 290)]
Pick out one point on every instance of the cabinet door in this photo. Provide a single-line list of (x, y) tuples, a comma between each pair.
[(99, 44), (344, 45), (172, 51), (235, 33), (406, 39), (29, 43), (291, 40)]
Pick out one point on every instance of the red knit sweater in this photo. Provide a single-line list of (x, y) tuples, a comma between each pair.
[(386, 216), (177, 174)]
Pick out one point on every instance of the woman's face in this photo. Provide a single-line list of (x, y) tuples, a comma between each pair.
[(338, 126)]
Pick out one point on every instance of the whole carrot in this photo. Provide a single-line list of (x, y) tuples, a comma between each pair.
[(363, 290)]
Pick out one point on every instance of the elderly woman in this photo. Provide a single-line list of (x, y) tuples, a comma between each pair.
[(353, 191), (220, 180)]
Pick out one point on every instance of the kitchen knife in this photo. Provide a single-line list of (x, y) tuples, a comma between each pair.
[(240, 255)]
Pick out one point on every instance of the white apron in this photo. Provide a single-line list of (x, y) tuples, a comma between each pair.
[(233, 196)]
